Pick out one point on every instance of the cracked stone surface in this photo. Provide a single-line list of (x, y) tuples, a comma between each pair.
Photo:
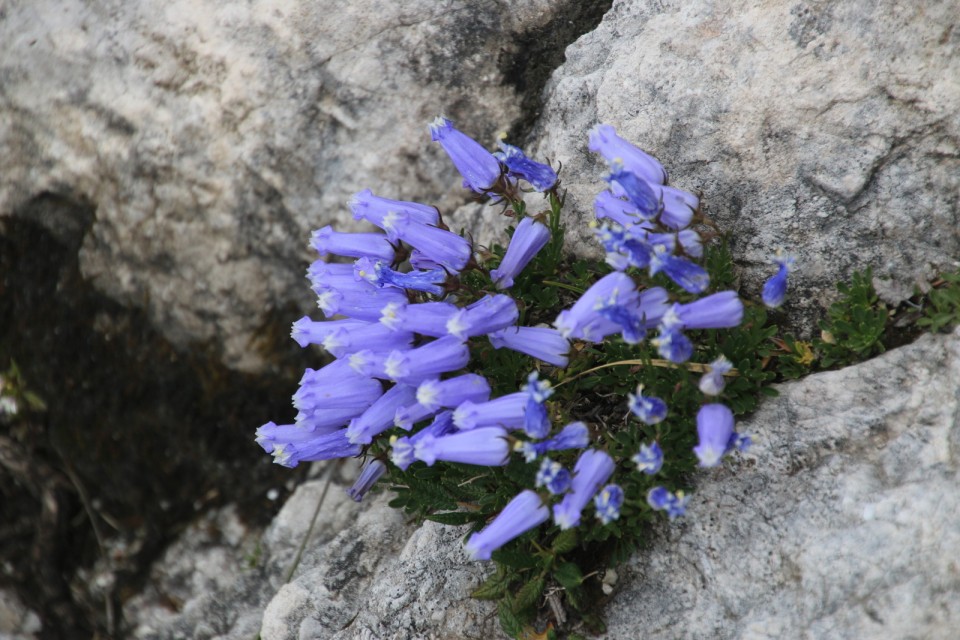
[(211, 138), (829, 128)]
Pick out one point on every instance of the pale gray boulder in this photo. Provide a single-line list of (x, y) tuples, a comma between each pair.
[(831, 129), (211, 137), (840, 523)]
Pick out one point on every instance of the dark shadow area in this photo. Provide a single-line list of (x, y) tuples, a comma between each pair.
[(136, 440)]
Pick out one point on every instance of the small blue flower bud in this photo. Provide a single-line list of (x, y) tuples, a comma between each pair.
[(661, 499), (649, 459), (712, 382), (608, 503), (649, 409), (540, 176), (775, 289), (553, 476)]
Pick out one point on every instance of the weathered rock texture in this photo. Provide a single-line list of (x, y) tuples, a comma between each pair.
[(831, 129), (212, 137), (841, 524)]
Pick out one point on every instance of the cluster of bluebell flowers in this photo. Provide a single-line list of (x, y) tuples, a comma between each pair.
[(400, 338)]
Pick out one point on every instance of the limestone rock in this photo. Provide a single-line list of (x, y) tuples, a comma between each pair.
[(211, 138), (831, 129), (842, 522)]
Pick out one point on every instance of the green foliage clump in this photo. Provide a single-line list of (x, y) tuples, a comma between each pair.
[(943, 304)]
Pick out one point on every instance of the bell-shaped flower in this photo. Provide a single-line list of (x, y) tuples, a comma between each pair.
[(660, 499), (689, 276), (370, 364), (609, 207), (640, 194), (373, 336), (592, 470), (434, 394), (368, 477), (326, 446), (402, 448), (712, 382), (575, 435), (714, 430), (608, 502), (721, 310), (775, 289), (649, 459), (553, 476), (521, 514), (339, 388), (485, 447), (425, 318), (691, 242), (528, 239), (540, 176), (673, 345), (406, 417), (583, 320), (306, 331), (506, 411), (444, 248), (489, 314), (480, 170), (649, 409), (429, 361), (272, 434), (536, 421), (542, 343), (359, 303), (382, 212), (352, 245), (377, 273), (379, 416), (614, 149), (326, 275)]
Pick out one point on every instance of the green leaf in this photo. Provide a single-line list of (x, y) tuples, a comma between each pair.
[(455, 517), (565, 541), (529, 593), (515, 558), (568, 575), (495, 586), (510, 622)]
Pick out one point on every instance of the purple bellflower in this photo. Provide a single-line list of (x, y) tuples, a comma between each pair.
[(429, 361), (443, 247), (487, 447), (306, 331), (553, 476), (479, 168), (425, 318), (721, 310), (368, 477), (536, 421), (712, 382), (382, 212), (528, 239), (542, 343), (649, 409), (640, 194), (608, 503), (489, 314), (351, 245), (540, 176), (434, 394), (689, 276), (325, 446), (714, 430), (378, 274), (522, 513), (661, 499), (592, 470), (575, 435), (649, 459), (373, 336), (605, 141), (379, 417), (775, 289), (402, 448), (673, 345), (506, 411), (406, 417), (582, 320), (609, 207), (360, 303)]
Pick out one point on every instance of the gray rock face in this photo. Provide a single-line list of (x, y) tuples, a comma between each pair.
[(841, 524), (831, 129), (211, 137)]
